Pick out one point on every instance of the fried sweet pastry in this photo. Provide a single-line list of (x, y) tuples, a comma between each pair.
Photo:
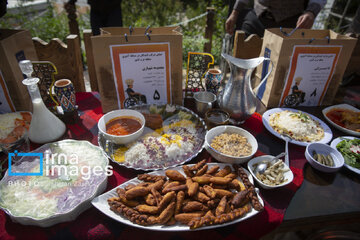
[(220, 180), (166, 199), (213, 203), (252, 194), (179, 201), (122, 198), (223, 218), (187, 171), (209, 214), (201, 197), (231, 175), (240, 199), (157, 196), (136, 192), (175, 175), (236, 184), (167, 213), (150, 178), (222, 192), (150, 200), (223, 172), (192, 187), (130, 186), (199, 165), (202, 171), (193, 206), (172, 221), (185, 218), (221, 207), (213, 170), (202, 179), (143, 208), (209, 191), (156, 185), (131, 214), (181, 187)]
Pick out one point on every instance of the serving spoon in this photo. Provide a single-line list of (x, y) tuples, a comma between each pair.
[(260, 168)]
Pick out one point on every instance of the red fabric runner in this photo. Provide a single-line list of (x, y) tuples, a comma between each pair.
[(92, 224)]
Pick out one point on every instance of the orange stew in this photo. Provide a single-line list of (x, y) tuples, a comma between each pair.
[(345, 118), (123, 125), (335, 115)]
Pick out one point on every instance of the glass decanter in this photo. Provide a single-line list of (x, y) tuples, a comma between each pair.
[(45, 126)]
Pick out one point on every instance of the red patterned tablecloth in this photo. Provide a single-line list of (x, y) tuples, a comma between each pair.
[(92, 224)]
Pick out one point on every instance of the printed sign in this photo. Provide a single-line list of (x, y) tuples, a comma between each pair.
[(141, 73), (311, 70), (6, 104)]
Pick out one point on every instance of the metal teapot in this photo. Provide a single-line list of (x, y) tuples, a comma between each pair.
[(237, 96)]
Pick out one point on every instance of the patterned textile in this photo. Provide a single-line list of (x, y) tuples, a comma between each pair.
[(92, 224)]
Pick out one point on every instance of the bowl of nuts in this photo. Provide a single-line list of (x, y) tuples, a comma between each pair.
[(277, 173), (323, 157), (230, 144)]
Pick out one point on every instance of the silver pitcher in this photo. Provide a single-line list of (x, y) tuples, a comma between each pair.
[(237, 97)]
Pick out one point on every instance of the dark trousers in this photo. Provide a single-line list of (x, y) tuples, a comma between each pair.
[(111, 19)]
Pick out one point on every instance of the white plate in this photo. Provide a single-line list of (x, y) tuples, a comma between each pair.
[(287, 175), (333, 145), (327, 131), (101, 203), (341, 106)]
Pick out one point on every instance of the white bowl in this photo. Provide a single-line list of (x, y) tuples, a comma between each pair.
[(124, 139), (326, 150), (224, 157), (289, 176)]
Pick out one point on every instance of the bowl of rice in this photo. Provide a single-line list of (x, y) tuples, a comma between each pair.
[(230, 144)]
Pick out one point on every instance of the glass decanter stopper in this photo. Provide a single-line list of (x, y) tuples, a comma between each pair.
[(45, 126)]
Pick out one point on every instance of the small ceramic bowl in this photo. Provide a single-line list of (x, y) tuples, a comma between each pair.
[(288, 175), (229, 129), (124, 139), (325, 149)]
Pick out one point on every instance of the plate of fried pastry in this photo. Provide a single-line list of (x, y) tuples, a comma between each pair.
[(189, 197)]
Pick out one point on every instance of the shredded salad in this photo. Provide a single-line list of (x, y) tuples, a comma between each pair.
[(350, 149)]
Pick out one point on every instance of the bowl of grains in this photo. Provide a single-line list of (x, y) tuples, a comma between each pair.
[(230, 144)]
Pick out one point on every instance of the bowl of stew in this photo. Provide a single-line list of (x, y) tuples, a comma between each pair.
[(122, 126)]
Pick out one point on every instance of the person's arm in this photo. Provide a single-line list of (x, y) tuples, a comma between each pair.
[(306, 20), (231, 21)]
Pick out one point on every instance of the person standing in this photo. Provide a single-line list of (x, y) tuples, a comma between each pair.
[(103, 13), (272, 13)]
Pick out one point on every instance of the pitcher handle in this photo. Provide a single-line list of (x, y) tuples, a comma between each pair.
[(264, 79)]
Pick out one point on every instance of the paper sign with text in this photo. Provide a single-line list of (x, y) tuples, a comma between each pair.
[(142, 73), (6, 104), (311, 70)]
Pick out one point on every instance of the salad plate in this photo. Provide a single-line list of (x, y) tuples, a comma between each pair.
[(348, 148), (54, 183), (172, 135), (266, 121)]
